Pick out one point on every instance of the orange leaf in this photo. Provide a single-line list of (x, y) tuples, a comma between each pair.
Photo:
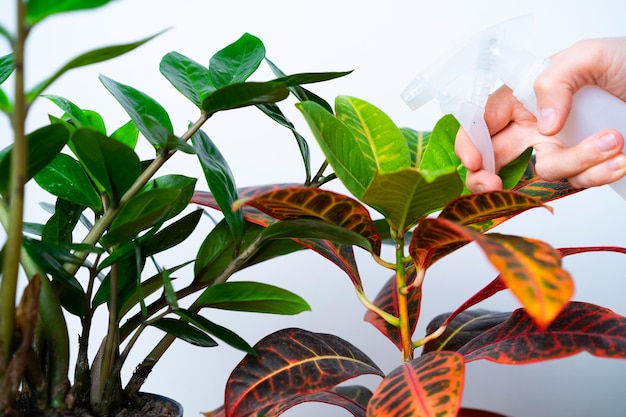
[(303, 202), (428, 386)]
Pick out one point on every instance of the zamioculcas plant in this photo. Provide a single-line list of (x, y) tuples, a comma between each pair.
[(101, 248), (413, 181)]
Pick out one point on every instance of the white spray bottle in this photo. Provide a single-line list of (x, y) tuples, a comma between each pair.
[(462, 80)]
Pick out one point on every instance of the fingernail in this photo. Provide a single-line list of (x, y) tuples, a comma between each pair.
[(546, 119), (480, 188), (618, 163), (606, 142)]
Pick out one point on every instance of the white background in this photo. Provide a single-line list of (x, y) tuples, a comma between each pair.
[(386, 44)]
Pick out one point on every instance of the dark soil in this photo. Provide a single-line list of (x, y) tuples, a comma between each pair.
[(141, 406)]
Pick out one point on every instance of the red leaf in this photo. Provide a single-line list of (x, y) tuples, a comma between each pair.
[(483, 210), (428, 386), (352, 398), (291, 363), (340, 255), (297, 202), (530, 268), (387, 300), (579, 327)]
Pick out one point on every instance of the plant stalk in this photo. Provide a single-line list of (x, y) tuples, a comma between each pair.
[(403, 309), (11, 262)]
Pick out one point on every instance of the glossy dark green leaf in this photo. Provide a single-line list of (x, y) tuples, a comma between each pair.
[(127, 134), (44, 144), (244, 94), (88, 58), (301, 93), (64, 177), (187, 76), (111, 165), (220, 179), (216, 330), (39, 9), (215, 252), (141, 212), (185, 331), (253, 297), (139, 105), (237, 61), (7, 65), (51, 258), (274, 112), (186, 186), (72, 110), (60, 226), (316, 229), (253, 93), (168, 291), (173, 234)]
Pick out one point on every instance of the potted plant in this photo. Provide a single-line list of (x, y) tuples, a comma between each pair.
[(115, 214), (113, 217), (413, 182)]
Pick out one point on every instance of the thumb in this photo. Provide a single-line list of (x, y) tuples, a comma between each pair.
[(554, 100)]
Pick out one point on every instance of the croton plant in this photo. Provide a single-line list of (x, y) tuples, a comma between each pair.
[(114, 216)]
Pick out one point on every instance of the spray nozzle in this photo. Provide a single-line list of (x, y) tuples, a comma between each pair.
[(462, 80)]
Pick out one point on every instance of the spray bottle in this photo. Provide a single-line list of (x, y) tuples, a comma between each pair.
[(462, 80)]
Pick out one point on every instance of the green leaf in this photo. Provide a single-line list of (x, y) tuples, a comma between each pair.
[(36, 10), (187, 76), (274, 112), (301, 93), (173, 234), (220, 180), (185, 185), (141, 212), (88, 58), (5, 34), (5, 103), (44, 145), (252, 297), (244, 94), (417, 143), (439, 153), (315, 229), (405, 196), (111, 165), (7, 65), (513, 172), (127, 134), (185, 331), (381, 144), (139, 105), (64, 177), (216, 330), (237, 61), (168, 290), (60, 226), (339, 146), (72, 110)]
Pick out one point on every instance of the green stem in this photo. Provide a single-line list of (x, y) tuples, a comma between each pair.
[(101, 226), (403, 309), (11, 262), (143, 370)]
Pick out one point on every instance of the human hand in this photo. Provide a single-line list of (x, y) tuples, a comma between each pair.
[(595, 161)]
